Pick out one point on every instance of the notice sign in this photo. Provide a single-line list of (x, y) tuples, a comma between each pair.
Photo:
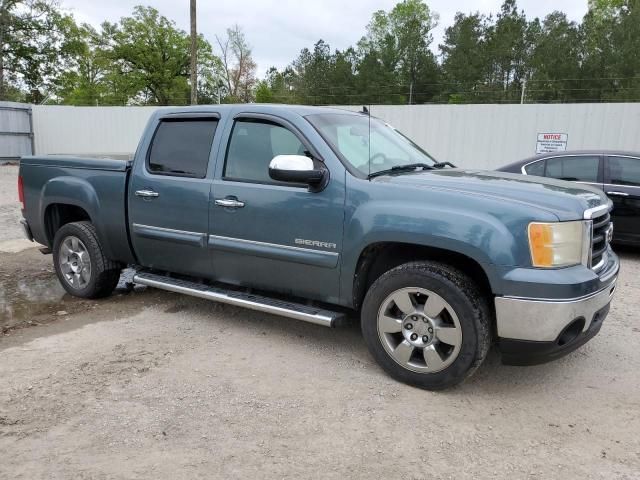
[(551, 142)]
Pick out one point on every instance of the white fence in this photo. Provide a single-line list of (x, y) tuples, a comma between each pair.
[(88, 130), (474, 136)]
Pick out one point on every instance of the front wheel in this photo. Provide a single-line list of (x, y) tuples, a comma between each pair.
[(426, 324), (80, 263)]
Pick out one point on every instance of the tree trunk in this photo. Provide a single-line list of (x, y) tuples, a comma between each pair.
[(194, 55)]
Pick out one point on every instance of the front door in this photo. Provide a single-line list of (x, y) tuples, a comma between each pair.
[(169, 196), (271, 235), (623, 188)]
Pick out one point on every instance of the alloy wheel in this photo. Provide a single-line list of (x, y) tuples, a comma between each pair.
[(419, 330)]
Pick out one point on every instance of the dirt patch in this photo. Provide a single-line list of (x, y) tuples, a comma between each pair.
[(31, 295), (156, 385)]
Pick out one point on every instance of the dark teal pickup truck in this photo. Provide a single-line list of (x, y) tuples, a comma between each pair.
[(316, 213)]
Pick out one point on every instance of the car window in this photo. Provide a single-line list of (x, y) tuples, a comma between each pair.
[(182, 148), (366, 143), (624, 171), (253, 145), (576, 169), (536, 168)]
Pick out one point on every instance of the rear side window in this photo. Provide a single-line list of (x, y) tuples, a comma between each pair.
[(624, 171), (574, 169), (253, 145), (536, 168), (182, 147)]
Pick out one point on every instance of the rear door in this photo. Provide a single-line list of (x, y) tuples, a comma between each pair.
[(622, 185), (169, 195), (271, 235)]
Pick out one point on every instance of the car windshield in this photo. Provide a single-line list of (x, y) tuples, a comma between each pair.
[(368, 144)]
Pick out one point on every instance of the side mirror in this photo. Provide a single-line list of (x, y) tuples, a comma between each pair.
[(295, 169)]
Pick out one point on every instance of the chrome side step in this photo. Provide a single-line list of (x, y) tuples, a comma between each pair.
[(298, 311)]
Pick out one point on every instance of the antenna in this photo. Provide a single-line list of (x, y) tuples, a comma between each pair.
[(365, 110)]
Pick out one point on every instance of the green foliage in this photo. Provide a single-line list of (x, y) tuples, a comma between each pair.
[(555, 60), (144, 59), (33, 47), (465, 55)]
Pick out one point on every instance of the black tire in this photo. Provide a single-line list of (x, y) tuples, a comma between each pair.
[(460, 292), (104, 274)]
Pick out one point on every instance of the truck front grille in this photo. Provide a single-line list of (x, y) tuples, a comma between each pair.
[(600, 239)]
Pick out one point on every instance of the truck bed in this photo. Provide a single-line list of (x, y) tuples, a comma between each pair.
[(53, 183)]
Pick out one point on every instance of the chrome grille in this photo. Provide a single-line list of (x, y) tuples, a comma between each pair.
[(600, 239)]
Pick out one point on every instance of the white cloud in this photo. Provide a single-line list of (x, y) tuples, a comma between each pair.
[(279, 29)]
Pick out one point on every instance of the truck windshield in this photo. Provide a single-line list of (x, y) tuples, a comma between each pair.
[(366, 143)]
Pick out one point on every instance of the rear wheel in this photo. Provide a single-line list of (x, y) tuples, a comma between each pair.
[(426, 324), (80, 263)]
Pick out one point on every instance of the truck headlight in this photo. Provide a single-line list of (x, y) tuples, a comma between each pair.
[(560, 244)]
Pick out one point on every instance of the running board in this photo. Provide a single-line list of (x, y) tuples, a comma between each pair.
[(260, 303)]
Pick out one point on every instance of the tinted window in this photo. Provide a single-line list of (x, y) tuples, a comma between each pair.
[(624, 171), (182, 147), (536, 168), (576, 169), (253, 145)]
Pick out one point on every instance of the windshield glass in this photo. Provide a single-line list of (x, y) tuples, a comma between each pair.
[(385, 148)]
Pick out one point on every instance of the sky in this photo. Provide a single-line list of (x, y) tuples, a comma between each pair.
[(278, 29)]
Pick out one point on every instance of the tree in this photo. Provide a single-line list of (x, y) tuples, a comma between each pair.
[(611, 57), (90, 76), (33, 46), (239, 68), (508, 49), (277, 87), (555, 61), (464, 57), (143, 59), (405, 33)]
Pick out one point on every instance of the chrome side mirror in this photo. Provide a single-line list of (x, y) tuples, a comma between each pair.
[(295, 169)]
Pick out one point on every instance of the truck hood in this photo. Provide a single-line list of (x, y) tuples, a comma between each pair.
[(566, 200)]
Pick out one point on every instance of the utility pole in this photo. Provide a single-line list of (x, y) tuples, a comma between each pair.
[(194, 55), (523, 96), (411, 93)]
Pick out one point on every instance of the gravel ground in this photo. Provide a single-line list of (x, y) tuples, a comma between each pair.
[(150, 384), (9, 206)]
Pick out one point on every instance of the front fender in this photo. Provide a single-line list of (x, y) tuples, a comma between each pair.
[(487, 237)]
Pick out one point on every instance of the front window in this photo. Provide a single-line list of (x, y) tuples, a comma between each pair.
[(366, 143), (574, 169), (535, 168), (253, 145)]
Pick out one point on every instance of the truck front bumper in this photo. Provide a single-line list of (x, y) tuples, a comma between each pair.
[(538, 330)]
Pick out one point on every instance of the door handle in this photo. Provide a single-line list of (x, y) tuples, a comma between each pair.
[(147, 193), (229, 203), (618, 194)]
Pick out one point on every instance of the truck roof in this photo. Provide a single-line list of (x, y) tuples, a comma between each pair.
[(301, 110)]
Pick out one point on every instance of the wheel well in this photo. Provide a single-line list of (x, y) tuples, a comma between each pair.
[(379, 258), (59, 214)]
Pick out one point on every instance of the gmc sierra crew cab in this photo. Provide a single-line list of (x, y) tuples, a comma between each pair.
[(317, 213)]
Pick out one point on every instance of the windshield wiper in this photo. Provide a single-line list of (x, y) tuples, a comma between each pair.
[(444, 164), (411, 167)]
